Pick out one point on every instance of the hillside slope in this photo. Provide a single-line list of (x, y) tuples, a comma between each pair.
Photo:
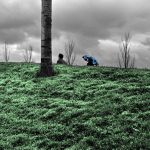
[(78, 109)]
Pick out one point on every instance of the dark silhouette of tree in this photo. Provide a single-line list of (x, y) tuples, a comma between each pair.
[(46, 68), (6, 53), (28, 54), (125, 60), (69, 51)]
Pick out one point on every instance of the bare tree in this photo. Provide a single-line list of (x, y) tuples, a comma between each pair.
[(125, 60), (28, 54), (6, 53), (69, 51)]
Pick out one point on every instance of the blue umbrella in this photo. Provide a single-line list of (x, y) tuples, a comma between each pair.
[(90, 58)]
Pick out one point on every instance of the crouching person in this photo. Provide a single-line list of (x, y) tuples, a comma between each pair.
[(91, 61)]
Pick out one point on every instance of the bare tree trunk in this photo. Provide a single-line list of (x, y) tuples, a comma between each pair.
[(28, 54), (69, 50), (125, 60), (6, 53), (46, 46)]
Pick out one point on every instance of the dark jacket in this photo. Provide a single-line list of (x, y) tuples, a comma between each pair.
[(61, 61)]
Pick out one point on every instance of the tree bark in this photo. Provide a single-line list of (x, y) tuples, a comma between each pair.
[(46, 68)]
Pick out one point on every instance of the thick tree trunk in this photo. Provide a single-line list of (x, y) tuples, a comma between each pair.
[(46, 46)]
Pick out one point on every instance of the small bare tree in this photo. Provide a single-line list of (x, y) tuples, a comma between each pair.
[(69, 51), (6, 53), (125, 60), (28, 54)]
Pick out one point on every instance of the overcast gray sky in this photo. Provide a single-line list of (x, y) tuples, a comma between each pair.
[(96, 26)]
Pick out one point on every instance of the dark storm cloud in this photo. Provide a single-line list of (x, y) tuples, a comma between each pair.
[(89, 19), (96, 19), (19, 20), (99, 18)]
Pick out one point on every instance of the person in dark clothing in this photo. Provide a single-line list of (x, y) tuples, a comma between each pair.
[(60, 59)]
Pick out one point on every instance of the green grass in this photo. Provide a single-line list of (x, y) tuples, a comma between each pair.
[(81, 108)]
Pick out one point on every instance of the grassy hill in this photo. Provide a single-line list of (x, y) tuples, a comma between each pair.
[(81, 108)]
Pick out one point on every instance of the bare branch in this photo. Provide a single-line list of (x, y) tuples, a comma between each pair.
[(69, 51), (125, 60), (119, 61), (6, 53), (132, 63), (28, 54)]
